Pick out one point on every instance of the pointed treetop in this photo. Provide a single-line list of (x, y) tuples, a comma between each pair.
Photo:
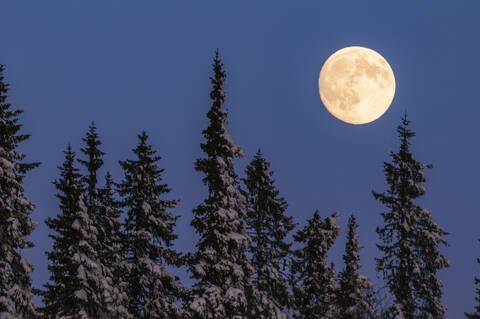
[(94, 159), (219, 142), (144, 151), (69, 154), (9, 127), (351, 257), (91, 138), (404, 133), (143, 137), (354, 293), (217, 81), (68, 182), (258, 154), (68, 164)]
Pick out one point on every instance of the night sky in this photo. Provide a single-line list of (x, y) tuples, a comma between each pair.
[(144, 65)]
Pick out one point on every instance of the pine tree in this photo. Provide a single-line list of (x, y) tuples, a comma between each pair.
[(411, 239), (354, 296), (315, 281), (153, 292), (101, 208), (476, 313), (220, 265), (15, 209), (268, 226), (77, 279)]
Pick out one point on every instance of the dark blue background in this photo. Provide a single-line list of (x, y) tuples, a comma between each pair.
[(134, 65)]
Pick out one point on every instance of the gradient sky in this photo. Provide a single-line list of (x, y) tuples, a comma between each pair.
[(144, 65)]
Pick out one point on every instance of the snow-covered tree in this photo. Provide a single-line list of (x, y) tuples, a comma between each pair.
[(77, 279), (104, 211), (15, 222), (109, 245), (410, 238), (476, 313), (355, 291), (153, 293), (220, 264), (268, 226), (314, 279), (92, 163)]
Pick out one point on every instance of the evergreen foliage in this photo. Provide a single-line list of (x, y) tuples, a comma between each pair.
[(315, 281), (104, 211), (242, 267), (110, 249), (354, 296), (93, 163), (153, 293), (476, 313), (77, 280), (410, 238), (268, 226), (15, 222), (220, 264)]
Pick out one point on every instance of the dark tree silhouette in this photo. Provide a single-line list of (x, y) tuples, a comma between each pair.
[(77, 280), (410, 238), (15, 209), (268, 226), (220, 264), (153, 293), (355, 291), (314, 279)]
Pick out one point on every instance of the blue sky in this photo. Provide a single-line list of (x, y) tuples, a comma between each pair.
[(144, 65)]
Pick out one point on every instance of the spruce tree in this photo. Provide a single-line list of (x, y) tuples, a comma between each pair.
[(105, 213), (220, 264), (93, 163), (77, 279), (153, 293), (410, 238), (315, 281), (15, 222), (110, 251), (476, 313), (355, 291), (268, 226)]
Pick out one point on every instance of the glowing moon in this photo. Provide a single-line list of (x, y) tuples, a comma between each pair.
[(356, 85)]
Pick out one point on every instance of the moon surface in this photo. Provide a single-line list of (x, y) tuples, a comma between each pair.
[(356, 85)]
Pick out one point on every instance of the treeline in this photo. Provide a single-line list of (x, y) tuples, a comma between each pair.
[(113, 242)]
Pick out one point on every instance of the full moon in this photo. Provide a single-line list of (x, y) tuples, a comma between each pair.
[(356, 85)]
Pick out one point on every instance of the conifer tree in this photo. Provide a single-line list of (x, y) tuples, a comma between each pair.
[(220, 264), (15, 222), (476, 313), (355, 291), (315, 281), (153, 293), (105, 213), (77, 280), (268, 226), (93, 163), (410, 238), (110, 252)]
